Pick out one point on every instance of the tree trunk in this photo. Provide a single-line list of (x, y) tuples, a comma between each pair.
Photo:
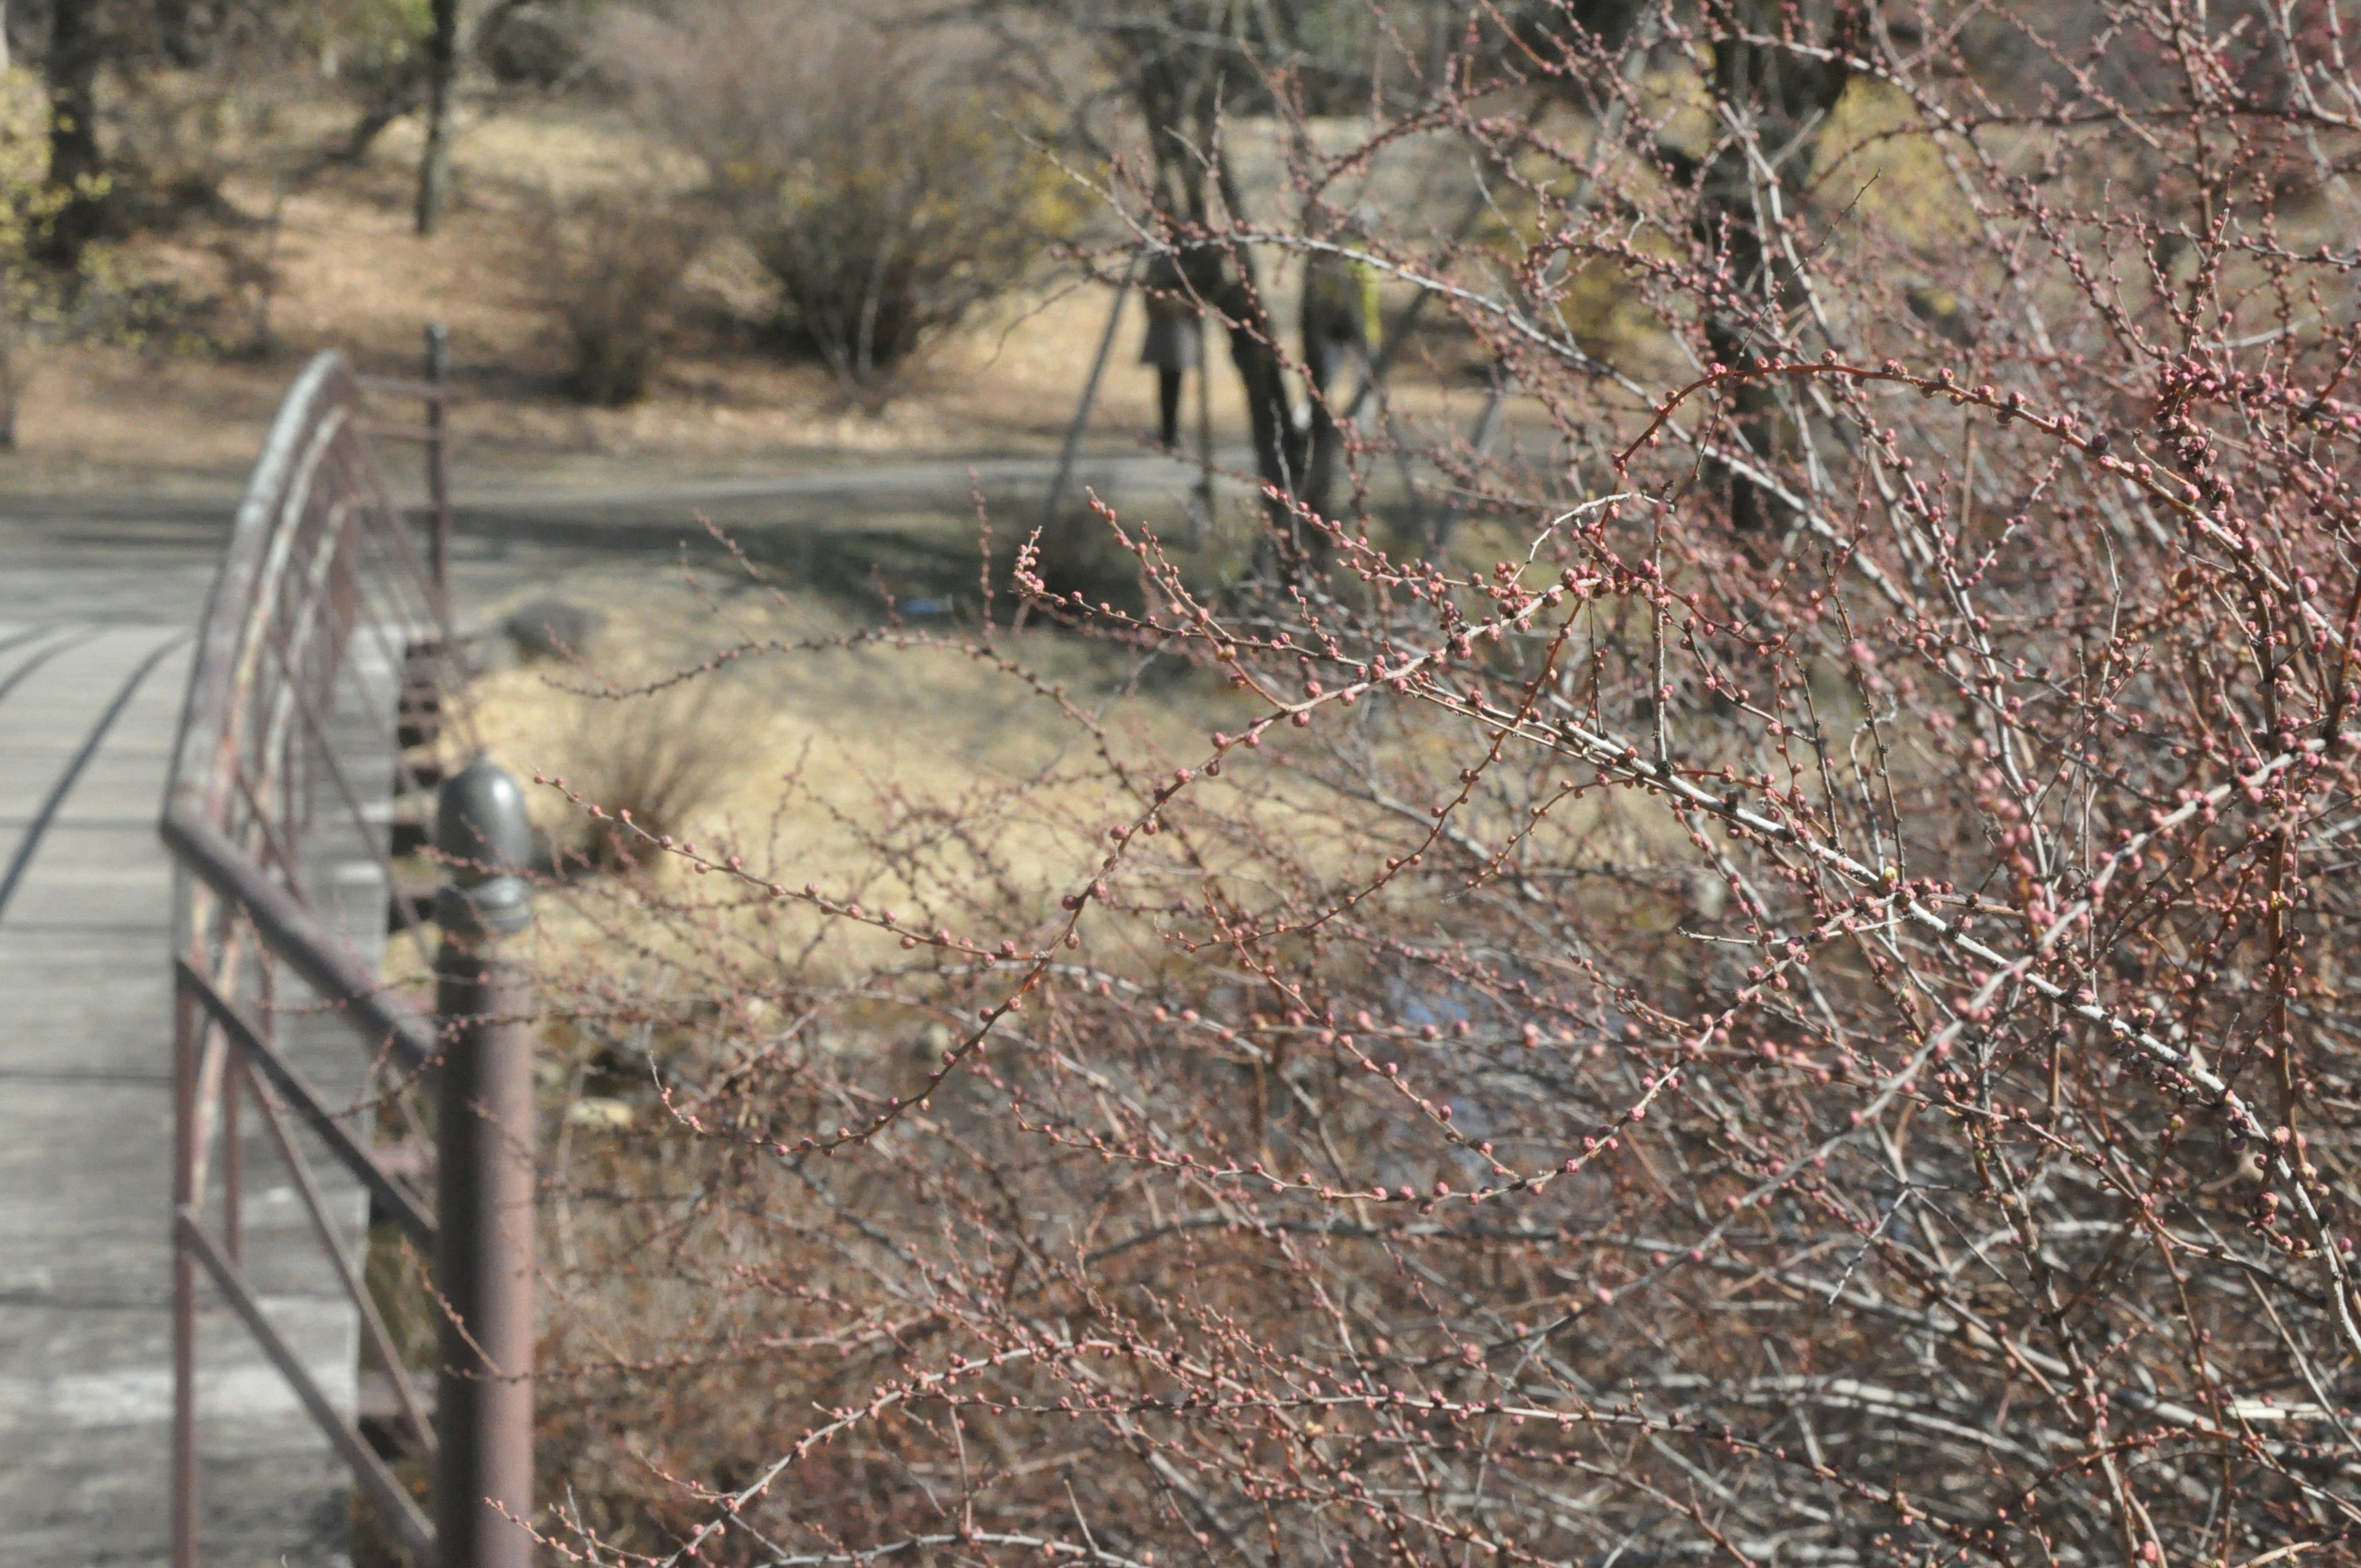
[(1182, 119), (77, 169), (435, 166), (1782, 95), (12, 386)]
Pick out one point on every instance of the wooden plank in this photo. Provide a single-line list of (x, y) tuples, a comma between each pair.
[(47, 716), (77, 1007), (85, 1138)]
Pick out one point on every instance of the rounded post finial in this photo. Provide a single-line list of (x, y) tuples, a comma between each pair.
[(484, 839)]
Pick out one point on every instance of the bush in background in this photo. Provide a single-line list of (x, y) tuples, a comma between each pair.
[(534, 43), (614, 265), (869, 165)]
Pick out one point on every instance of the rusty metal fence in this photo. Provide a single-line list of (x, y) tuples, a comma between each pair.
[(326, 648)]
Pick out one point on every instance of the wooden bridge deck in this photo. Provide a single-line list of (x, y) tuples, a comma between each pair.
[(90, 592), (88, 711)]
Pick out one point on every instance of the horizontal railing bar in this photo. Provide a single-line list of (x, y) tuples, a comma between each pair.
[(316, 539), (392, 1500), (396, 1198), (291, 932), (205, 720)]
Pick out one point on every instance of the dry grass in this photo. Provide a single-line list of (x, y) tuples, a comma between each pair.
[(848, 720), (883, 768), (792, 761), (350, 274), (653, 765)]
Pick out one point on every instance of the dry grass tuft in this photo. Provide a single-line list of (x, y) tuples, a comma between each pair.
[(655, 763)]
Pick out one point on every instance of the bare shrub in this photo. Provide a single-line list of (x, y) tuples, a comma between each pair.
[(534, 43), (1782, 1002), (864, 158), (612, 266)]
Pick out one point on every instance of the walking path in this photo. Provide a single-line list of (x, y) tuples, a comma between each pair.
[(98, 603), (88, 712), (98, 600)]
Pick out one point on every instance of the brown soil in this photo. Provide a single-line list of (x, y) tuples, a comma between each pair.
[(182, 406)]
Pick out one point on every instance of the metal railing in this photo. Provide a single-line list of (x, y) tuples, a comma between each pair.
[(327, 647)]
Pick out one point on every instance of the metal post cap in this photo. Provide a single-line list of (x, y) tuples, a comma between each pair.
[(485, 839)]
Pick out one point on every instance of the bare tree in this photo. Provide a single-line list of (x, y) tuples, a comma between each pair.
[(1783, 1001)]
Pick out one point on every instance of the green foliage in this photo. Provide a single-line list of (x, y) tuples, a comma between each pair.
[(23, 158), (28, 204)]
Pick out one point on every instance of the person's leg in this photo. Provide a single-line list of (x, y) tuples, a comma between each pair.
[(1168, 406)]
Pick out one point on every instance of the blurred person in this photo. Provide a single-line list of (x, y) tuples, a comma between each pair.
[(1174, 344), (1340, 315)]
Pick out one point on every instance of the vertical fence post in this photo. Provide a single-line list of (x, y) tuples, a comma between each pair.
[(484, 1177), (438, 468)]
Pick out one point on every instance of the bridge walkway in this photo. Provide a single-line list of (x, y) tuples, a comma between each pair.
[(88, 713)]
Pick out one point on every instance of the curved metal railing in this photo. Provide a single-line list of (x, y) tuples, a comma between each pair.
[(324, 649)]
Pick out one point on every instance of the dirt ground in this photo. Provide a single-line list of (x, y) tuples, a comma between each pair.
[(290, 266)]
